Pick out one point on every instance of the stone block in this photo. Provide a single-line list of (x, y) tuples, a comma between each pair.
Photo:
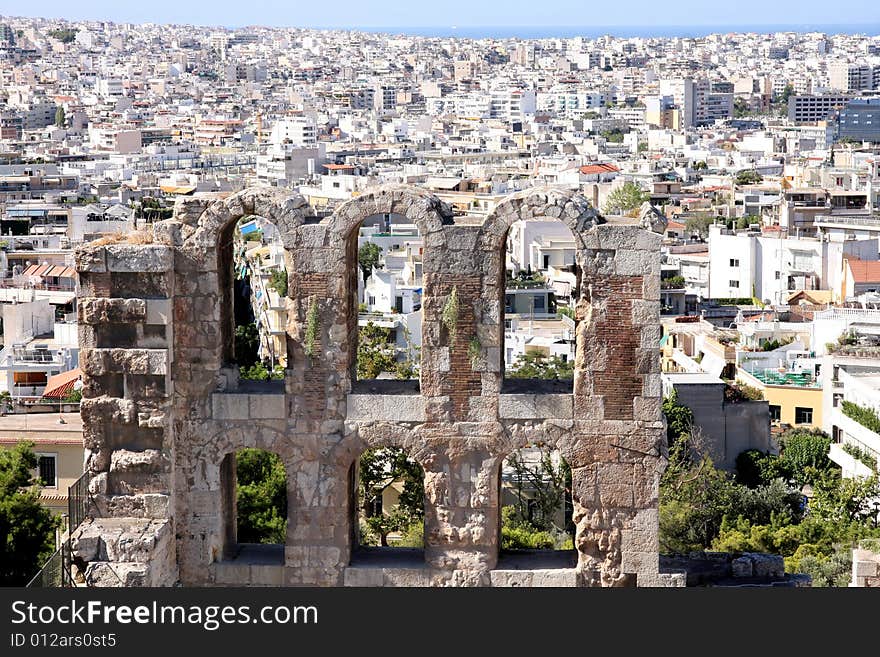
[(391, 408), (363, 577), (232, 573), (230, 406), (418, 577), (517, 407), (767, 565), (139, 258), (159, 311), (865, 568), (742, 567), (266, 575), (554, 406), (267, 406)]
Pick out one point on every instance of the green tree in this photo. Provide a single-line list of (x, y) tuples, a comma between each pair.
[(542, 488), (378, 469), (375, 354), (625, 199), (27, 529), (247, 345), (368, 257), (261, 497), (278, 281), (699, 224), (64, 35), (805, 453), (748, 177), (532, 365), (59, 117)]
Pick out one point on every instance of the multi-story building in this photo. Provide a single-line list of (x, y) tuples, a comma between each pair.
[(859, 120), (813, 108)]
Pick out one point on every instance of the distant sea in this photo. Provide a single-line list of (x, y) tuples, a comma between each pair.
[(595, 31)]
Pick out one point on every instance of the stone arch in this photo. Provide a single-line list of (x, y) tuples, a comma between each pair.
[(206, 254), (569, 207), (422, 208), (287, 211), (384, 436)]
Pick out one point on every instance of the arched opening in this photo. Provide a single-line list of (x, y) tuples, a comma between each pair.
[(388, 252), (387, 504), (541, 289), (254, 504), (536, 525), (253, 282)]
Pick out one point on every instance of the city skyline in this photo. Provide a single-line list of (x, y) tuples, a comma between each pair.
[(387, 14)]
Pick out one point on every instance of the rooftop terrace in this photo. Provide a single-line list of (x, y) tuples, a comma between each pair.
[(773, 377)]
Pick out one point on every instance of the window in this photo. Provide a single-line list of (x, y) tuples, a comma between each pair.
[(836, 399), (775, 412), (734, 284), (776, 275), (47, 470), (803, 415), (734, 262)]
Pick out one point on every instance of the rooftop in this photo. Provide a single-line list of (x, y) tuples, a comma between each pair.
[(773, 377), (43, 422)]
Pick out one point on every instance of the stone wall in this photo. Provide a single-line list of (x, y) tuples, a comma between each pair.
[(163, 407), (866, 566)]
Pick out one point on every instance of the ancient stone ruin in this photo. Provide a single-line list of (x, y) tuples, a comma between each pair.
[(163, 407)]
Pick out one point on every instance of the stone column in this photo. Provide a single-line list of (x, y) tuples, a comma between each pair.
[(125, 336)]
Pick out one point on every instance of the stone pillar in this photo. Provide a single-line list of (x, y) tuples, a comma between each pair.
[(125, 336)]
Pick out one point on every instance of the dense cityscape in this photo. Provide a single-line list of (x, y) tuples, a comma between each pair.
[(755, 156)]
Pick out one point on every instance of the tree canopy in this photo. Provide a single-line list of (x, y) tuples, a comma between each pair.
[(625, 199), (762, 507), (27, 529), (261, 497), (368, 257), (377, 470)]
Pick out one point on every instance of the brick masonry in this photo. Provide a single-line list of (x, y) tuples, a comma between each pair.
[(163, 409)]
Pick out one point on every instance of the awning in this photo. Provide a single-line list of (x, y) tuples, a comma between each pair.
[(50, 270), (58, 386), (249, 227), (176, 189)]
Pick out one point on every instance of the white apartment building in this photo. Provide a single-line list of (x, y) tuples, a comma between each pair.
[(749, 264), (297, 131), (538, 245)]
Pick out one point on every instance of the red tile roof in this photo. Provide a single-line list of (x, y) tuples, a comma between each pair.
[(59, 385), (591, 169), (864, 271)]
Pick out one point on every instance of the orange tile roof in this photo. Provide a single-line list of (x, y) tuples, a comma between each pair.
[(61, 384), (604, 167), (864, 271)]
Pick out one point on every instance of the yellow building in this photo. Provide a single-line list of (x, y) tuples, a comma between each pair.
[(59, 450), (795, 399)]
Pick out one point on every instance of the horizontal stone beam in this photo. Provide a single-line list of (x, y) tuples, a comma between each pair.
[(390, 408), (535, 407)]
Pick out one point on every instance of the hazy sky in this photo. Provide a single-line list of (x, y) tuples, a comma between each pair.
[(463, 13)]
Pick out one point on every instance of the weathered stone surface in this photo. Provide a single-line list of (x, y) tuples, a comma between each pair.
[(742, 567), (395, 408), (138, 257), (103, 311), (165, 412)]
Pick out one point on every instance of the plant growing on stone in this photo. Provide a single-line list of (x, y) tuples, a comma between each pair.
[(475, 350), (311, 335), (449, 316)]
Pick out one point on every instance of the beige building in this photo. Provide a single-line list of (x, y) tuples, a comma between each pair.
[(59, 450)]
